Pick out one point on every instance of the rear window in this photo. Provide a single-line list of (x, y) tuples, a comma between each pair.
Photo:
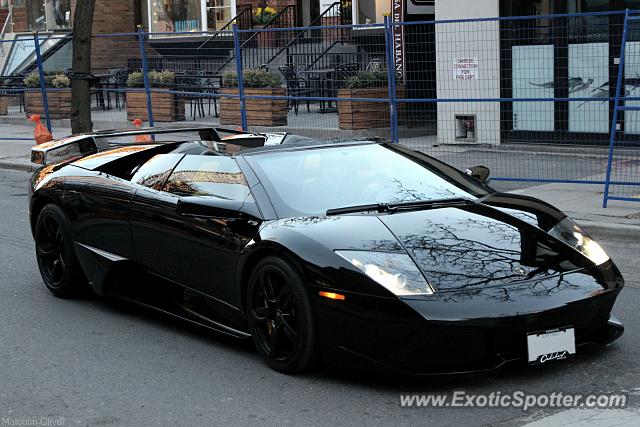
[(214, 176)]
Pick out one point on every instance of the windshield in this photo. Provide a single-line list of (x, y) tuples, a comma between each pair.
[(312, 181)]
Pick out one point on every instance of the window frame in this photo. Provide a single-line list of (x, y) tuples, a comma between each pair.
[(445, 171), (355, 17), (249, 195), (204, 25), (180, 156)]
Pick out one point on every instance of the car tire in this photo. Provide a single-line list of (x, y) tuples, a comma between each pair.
[(57, 261), (280, 316)]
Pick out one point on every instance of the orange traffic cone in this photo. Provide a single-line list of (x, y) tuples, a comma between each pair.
[(41, 134), (141, 138)]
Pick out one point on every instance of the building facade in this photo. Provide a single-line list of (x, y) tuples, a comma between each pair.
[(490, 59)]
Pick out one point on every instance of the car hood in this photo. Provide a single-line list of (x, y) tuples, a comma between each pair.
[(479, 246), (499, 242)]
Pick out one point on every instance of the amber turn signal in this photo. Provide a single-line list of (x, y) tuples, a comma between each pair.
[(332, 295)]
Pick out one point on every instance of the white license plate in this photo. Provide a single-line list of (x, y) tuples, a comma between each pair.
[(555, 344)]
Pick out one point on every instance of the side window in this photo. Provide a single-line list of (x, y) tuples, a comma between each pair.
[(215, 176), (155, 171)]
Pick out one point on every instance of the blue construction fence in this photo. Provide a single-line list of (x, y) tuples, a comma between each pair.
[(538, 99)]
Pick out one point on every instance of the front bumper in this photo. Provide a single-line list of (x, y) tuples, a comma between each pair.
[(389, 335)]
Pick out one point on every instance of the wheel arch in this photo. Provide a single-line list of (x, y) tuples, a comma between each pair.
[(38, 202), (251, 259)]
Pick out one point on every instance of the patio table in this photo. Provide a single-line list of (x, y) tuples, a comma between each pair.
[(324, 79)]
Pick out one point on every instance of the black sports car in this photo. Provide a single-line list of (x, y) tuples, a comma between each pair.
[(357, 253)]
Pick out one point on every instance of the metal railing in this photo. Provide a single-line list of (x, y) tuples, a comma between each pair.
[(7, 22), (283, 19), (241, 19), (312, 48)]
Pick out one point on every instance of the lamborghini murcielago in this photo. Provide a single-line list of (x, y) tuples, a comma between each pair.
[(356, 253)]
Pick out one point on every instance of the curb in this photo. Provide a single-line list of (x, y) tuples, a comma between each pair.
[(611, 229), (25, 167)]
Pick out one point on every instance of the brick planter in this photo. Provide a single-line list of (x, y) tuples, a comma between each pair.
[(4, 104), (166, 107), (260, 112), (354, 115), (59, 104)]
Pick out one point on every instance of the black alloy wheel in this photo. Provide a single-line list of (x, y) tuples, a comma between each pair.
[(59, 267), (280, 318)]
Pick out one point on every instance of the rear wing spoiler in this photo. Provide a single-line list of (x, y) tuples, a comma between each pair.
[(76, 147)]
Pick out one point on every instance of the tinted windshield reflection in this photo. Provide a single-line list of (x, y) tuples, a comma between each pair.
[(311, 181)]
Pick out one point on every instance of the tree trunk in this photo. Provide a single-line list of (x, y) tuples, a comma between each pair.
[(81, 67)]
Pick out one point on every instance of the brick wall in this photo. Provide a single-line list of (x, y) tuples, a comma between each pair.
[(113, 16), (19, 18)]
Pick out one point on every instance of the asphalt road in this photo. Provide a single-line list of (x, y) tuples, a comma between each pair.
[(100, 362)]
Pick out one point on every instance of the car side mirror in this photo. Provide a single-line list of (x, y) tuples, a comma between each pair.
[(479, 172), (211, 207)]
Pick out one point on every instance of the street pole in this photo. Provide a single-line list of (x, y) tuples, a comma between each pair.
[(43, 82), (238, 53)]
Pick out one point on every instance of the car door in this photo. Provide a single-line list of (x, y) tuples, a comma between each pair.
[(199, 253), (98, 205)]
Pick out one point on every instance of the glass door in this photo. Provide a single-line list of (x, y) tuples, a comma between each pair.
[(58, 14), (36, 16), (48, 15)]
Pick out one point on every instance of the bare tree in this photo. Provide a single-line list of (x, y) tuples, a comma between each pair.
[(81, 66)]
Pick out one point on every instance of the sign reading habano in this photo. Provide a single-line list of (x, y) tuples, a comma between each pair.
[(465, 68), (398, 38)]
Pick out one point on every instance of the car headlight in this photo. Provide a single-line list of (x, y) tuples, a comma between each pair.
[(573, 235), (396, 272)]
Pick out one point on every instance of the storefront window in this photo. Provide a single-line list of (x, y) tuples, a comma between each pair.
[(219, 13), (588, 28), (371, 11), (48, 15), (169, 16)]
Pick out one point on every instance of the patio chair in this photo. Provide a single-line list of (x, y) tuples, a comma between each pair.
[(376, 64), (296, 86), (191, 84), (343, 72), (12, 83), (338, 78), (210, 86), (115, 82)]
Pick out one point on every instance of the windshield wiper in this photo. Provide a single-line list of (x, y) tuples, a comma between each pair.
[(378, 207), (404, 206)]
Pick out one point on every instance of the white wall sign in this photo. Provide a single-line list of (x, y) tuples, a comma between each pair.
[(465, 68), (326, 4)]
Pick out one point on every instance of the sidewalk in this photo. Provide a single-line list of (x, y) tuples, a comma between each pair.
[(582, 202), (16, 154)]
